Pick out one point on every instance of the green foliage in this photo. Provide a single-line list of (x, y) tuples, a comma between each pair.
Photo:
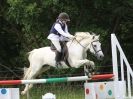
[(24, 13)]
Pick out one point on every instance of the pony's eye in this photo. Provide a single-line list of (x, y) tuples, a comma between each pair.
[(94, 45)]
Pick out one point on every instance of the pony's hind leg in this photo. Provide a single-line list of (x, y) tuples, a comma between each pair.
[(33, 73), (29, 86), (26, 73)]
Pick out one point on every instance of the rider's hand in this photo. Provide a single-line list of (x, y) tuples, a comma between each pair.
[(71, 37)]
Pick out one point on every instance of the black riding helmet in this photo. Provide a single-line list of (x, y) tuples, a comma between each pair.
[(63, 17)]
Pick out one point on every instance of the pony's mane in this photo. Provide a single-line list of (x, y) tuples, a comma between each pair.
[(82, 35)]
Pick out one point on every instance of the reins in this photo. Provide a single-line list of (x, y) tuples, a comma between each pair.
[(77, 41), (88, 44)]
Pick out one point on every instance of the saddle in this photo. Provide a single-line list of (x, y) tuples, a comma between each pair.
[(64, 51)]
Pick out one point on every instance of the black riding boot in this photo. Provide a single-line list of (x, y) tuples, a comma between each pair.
[(58, 58)]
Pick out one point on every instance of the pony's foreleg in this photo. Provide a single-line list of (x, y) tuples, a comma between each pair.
[(89, 71), (79, 63), (88, 66)]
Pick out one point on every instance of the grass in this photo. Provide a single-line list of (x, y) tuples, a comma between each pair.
[(62, 91)]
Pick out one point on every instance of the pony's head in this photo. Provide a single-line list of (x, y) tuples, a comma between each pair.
[(95, 47), (92, 43)]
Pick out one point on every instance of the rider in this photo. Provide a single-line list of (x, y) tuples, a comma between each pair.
[(59, 32)]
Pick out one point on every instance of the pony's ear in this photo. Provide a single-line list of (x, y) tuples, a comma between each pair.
[(92, 33), (98, 35)]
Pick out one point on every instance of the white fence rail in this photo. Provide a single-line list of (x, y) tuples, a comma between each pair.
[(115, 48)]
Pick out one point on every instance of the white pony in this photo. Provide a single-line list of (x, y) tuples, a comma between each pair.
[(41, 59)]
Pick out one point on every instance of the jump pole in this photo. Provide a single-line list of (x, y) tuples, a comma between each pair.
[(52, 80)]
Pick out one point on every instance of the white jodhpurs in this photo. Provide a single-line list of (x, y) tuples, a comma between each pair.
[(57, 45)]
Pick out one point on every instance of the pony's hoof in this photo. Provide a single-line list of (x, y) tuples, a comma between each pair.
[(23, 93), (92, 64)]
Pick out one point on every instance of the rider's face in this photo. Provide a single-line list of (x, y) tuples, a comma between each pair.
[(64, 21)]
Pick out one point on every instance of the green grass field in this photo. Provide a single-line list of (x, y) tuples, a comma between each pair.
[(62, 91)]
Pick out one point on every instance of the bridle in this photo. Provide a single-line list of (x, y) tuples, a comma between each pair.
[(91, 44), (94, 47)]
